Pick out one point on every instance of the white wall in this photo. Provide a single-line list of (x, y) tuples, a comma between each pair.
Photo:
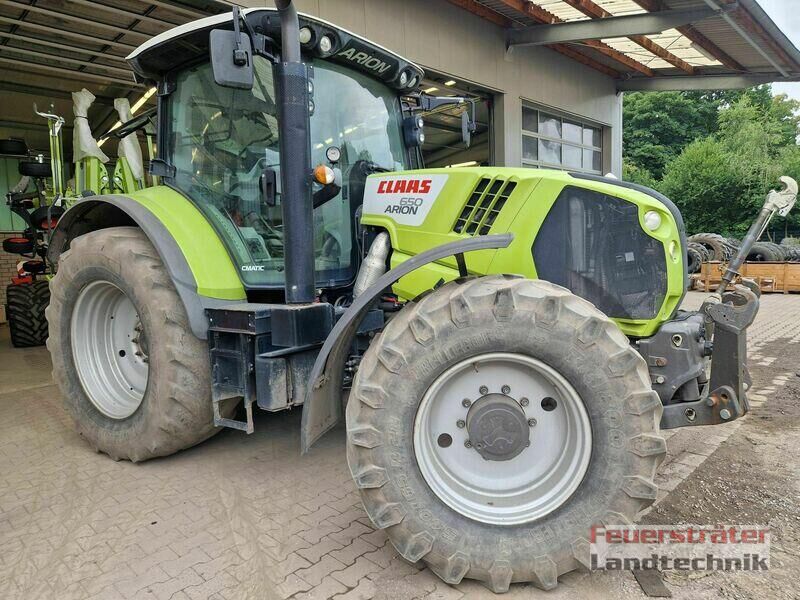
[(448, 39)]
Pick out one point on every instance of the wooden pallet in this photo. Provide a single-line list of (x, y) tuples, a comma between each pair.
[(772, 277)]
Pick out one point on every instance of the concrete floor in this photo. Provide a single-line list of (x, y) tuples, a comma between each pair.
[(245, 516)]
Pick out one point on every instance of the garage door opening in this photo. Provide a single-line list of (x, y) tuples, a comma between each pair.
[(444, 146)]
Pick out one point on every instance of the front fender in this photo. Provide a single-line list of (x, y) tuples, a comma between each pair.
[(197, 262), (322, 407)]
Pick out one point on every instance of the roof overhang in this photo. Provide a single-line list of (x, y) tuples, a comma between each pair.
[(49, 49), (653, 44)]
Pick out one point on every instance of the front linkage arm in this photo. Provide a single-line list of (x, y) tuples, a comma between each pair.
[(727, 314)]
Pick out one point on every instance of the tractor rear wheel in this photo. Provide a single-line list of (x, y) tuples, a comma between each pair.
[(133, 377), (494, 422), (25, 306)]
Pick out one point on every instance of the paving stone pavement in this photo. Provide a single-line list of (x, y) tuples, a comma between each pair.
[(237, 517)]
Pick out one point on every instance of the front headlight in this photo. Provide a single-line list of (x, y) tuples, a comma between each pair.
[(652, 220)]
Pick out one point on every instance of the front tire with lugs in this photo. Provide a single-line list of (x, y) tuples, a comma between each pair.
[(116, 321), (508, 326)]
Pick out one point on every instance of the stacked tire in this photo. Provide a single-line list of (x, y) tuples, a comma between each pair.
[(791, 247), (25, 305), (715, 246)]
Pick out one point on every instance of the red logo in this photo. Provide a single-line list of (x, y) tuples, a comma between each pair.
[(404, 186)]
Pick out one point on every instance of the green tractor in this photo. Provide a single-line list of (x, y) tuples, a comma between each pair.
[(504, 345)]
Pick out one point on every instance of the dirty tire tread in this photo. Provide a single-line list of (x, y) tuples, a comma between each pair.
[(547, 548), (176, 411), (25, 306)]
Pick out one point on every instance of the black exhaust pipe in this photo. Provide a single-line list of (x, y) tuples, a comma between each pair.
[(295, 147)]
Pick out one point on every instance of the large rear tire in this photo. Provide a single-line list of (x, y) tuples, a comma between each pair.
[(546, 374), (133, 377), (25, 306)]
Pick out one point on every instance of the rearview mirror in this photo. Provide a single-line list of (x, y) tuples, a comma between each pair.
[(466, 129), (232, 56)]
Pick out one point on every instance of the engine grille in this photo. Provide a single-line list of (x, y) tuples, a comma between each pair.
[(483, 206)]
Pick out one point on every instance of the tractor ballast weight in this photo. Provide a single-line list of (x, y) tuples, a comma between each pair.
[(512, 338)]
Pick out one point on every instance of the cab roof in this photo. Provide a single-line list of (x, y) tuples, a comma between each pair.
[(187, 43)]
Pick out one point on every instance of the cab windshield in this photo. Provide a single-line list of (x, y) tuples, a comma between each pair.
[(222, 139)]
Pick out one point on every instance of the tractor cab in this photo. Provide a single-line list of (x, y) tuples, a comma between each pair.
[(219, 140)]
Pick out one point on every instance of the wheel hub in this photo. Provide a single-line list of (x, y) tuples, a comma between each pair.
[(109, 349), (498, 428), (500, 459)]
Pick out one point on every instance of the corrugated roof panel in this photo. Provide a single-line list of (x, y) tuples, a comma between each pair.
[(671, 40), (564, 11), (682, 47)]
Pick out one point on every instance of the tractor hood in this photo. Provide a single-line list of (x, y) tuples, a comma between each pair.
[(188, 43)]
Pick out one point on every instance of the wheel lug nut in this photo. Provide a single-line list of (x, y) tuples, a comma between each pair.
[(531, 422), (524, 401), (483, 390), (467, 444), (466, 403), (506, 390), (460, 424)]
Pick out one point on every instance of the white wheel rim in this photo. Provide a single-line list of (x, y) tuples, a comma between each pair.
[(511, 491), (109, 349)]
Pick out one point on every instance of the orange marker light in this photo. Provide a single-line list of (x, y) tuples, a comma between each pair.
[(323, 175)]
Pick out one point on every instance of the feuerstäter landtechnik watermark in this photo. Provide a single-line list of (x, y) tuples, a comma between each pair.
[(679, 547)]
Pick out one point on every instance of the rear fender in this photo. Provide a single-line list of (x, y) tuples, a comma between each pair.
[(175, 240), (322, 407)]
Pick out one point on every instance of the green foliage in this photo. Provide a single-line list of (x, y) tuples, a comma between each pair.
[(716, 154), (658, 125), (636, 174), (705, 185)]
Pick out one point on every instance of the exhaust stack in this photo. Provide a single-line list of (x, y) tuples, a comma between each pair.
[(295, 148)]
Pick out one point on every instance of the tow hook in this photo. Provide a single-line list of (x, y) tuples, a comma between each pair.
[(728, 317)]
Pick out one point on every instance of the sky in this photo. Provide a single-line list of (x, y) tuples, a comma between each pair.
[(786, 15)]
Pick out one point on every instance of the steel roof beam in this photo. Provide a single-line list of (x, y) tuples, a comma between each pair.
[(695, 36), (67, 60), (747, 29), (145, 18), (184, 11), (610, 27), (697, 83), (83, 21), (49, 29), (537, 13), (494, 17), (62, 72), (60, 46), (591, 9), (35, 90)]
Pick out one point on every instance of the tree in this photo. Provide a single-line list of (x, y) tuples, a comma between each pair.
[(657, 126), (706, 187), (636, 174), (736, 145)]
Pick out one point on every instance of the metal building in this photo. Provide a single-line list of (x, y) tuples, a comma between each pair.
[(547, 76)]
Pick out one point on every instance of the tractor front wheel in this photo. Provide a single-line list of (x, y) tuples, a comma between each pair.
[(133, 377), (494, 422)]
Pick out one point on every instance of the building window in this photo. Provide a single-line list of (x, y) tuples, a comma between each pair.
[(553, 141)]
